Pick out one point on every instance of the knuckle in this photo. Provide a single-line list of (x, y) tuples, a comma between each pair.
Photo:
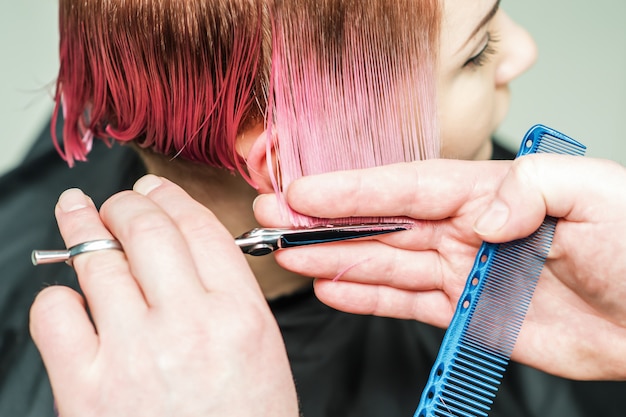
[(249, 321), (94, 265), (195, 226), (147, 224), (526, 170), (391, 269)]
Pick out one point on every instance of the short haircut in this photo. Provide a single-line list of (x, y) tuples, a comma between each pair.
[(180, 77), (184, 77)]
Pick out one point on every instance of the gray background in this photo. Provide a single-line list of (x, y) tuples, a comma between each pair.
[(578, 85)]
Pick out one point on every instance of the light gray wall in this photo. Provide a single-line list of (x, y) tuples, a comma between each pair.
[(578, 85), (28, 63)]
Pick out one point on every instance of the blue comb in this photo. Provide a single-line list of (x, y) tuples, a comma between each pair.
[(477, 346)]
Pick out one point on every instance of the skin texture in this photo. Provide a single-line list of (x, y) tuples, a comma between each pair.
[(576, 324), (473, 99), (160, 321), (204, 327)]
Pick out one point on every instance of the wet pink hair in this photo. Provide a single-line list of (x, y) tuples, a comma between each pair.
[(178, 76), (345, 83), (353, 86)]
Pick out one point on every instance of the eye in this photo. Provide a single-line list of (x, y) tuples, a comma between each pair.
[(482, 57)]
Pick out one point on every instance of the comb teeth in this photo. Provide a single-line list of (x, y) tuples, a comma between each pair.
[(513, 270), (482, 335), (542, 139), (477, 346)]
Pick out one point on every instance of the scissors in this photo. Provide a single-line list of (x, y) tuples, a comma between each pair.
[(259, 242), (256, 242)]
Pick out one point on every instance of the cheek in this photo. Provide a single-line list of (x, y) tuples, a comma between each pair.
[(469, 114)]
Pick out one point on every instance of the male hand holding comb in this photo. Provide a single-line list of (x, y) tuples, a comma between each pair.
[(576, 324)]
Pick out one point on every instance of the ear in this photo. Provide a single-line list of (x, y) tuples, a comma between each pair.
[(256, 147)]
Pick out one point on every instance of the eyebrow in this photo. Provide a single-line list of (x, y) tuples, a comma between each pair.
[(484, 21)]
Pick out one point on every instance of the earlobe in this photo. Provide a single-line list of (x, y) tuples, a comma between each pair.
[(256, 147)]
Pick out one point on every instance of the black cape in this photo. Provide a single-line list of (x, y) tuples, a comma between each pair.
[(344, 365)]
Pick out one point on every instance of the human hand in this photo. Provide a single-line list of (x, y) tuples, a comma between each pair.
[(180, 327), (576, 323)]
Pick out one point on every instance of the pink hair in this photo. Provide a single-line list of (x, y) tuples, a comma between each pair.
[(352, 86), (351, 82), (178, 76)]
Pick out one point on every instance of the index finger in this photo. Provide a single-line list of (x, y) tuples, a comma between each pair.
[(428, 190), (220, 264), (103, 276)]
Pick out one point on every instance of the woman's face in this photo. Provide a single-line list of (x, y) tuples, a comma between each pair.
[(482, 50)]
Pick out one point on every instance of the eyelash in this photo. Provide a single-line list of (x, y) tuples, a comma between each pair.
[(483, 56)]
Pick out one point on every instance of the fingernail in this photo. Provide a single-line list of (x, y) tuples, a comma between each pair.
[(255, 200), (493, 219), (147, 183), (72, 200)]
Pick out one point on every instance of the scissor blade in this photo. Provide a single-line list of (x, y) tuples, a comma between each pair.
[(336, 234), (258, 242)]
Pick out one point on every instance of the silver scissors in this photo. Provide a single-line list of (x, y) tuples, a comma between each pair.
[(259, 242), (256, 242)]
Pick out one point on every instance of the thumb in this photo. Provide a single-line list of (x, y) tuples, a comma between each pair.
[(64, 335), (536, 186)]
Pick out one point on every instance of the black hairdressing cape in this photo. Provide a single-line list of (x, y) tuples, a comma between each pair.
[(344, 365)]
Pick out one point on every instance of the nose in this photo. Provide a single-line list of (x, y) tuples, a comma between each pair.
[(518, 51)]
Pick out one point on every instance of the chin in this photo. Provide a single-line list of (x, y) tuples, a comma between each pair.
[(485, 151), (480, 151)]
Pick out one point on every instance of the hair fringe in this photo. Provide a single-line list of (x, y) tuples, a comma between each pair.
[(179, 77)]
